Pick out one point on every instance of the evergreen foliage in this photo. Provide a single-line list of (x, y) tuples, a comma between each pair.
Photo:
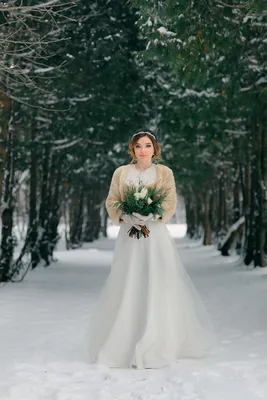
[(214, 121)]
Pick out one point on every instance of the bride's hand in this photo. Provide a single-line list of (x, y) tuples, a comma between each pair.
[(143, 219), (132, 220)]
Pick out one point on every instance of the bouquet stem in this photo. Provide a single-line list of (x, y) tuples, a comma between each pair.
[(137, 234)]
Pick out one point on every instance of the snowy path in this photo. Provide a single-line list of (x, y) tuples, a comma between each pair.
[(44, 319)]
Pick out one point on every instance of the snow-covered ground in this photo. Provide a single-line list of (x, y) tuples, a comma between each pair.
[(45, 319)]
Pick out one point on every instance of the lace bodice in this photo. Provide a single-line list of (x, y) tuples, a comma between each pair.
[(146, 177)]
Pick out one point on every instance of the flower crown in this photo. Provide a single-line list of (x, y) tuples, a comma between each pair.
[(146, 132)]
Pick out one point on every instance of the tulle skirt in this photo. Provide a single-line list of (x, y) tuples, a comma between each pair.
[(148, 313)]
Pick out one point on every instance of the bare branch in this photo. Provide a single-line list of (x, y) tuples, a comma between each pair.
[(238, 6), (27, 38), (39, 105), (43, 6)]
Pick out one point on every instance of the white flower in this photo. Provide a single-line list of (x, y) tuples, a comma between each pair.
[(140, 195), (143, 193), (149, 201), (137, 196)]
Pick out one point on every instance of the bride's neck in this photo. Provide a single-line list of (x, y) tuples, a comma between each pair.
[(143, 165)]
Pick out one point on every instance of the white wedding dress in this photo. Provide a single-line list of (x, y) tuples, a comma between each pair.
[(148, 314)]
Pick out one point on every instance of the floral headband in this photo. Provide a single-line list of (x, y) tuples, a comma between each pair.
[(146, 132)]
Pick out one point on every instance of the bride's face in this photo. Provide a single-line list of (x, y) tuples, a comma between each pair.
[(144, 148)]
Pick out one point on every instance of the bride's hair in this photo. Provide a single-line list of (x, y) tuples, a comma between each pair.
[(142, 133)]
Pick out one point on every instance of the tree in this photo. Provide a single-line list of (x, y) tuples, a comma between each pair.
[(216, 52), (68, 145)]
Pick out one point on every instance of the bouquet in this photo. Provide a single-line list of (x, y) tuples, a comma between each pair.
[(144, 201)]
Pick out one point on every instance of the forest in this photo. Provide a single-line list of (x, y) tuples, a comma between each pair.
[(77, 78)]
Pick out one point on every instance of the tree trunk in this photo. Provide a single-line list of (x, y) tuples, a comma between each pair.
[(199, 215), (256, 228), (248, 201), (54, 217), (222, 217), (250, 222), (237, 211), (105, 222), (259, 257), (264, 177), (33, 222), (76, 218), (43, 240), (7, 183), (193, 207), (206, 218), (190, 216), (5, 105), (93, 223), (214, 206)]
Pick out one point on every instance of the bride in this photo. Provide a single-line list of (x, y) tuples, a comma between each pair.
[(148, 314)]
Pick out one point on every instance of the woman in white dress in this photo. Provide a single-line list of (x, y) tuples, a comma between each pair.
[(148, 314)]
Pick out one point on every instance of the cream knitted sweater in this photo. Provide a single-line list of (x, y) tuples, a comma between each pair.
[(164, 179)]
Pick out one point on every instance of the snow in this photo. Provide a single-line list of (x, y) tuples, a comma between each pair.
[(164, 31), (45, 321), (226, 79), (42, 119), (261, 80), (24, 175), (190, 92), (42, 70), (67, 145), (233, 228), (245, 89), (75, 100), (236, 133), (191, 39)]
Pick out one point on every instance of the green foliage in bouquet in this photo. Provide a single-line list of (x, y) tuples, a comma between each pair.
[(142, 200)]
